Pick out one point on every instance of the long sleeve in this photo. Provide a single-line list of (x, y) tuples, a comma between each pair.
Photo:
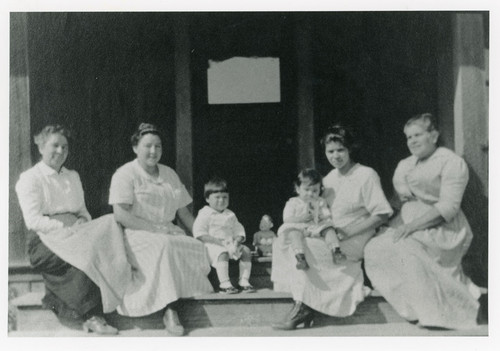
[(290, 209), (454, 178), (31, 198), (200, 225), (373, 196), (399, 179), (82, 212)]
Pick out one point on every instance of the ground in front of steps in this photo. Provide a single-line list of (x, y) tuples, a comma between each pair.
[(390, 329)]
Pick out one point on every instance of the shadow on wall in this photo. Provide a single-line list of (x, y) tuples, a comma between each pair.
[(475, 208)]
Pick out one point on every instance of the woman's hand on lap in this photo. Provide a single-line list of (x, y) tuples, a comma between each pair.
[(79, 221), (341, 234), (402, 232)]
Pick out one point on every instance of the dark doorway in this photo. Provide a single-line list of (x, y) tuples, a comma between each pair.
[(252, 146)]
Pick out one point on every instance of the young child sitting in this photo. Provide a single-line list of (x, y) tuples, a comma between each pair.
[(221, 232), (308, 215)]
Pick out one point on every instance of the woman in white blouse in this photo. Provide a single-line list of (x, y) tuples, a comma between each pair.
[(51, 198), (167, 264), (358, 207), (416, 264)]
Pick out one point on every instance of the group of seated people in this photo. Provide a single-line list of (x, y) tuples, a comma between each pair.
[(136, 261)]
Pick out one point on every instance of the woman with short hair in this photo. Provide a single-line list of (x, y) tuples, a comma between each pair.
[(53, 206)]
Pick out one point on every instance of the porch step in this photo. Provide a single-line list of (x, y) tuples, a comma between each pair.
[(259, 309), (237, 315)]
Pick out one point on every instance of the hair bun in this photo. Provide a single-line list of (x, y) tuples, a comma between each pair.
[(147, 128)]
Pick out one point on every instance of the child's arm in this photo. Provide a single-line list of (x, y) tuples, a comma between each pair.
[(239, 230), (290, 216), (298, 219), (324, 211), (207, 239), (256, 238), (200, 230)]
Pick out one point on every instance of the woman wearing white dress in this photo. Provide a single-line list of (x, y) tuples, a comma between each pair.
[(167, 264), (416, 264), (358, 206)]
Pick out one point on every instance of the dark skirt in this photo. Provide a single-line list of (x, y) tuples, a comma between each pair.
[(69, 292)]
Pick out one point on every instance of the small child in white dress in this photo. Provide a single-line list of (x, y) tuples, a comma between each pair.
[(308, 215), (221, 232)]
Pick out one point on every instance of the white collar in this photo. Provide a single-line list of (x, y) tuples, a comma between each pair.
[(158, 180), (47, 171), (212, 211)]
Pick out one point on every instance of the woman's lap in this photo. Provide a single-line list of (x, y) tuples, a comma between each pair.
[(329, 288), (165, 268), (409, 275), (69, 291)]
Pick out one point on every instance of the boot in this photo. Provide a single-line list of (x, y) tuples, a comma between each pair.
[(299, 314), (338, 256), (301, 262)]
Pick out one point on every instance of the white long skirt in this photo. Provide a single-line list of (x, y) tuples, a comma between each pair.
[(333, 289), (421, 276), (164, 269)]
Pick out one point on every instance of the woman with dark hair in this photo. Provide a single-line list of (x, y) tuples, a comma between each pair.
[(52, 202), (416, 263), (358, 206), (167, 264)]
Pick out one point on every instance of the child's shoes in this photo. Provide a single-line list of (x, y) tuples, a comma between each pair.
[(301, 262), (245, 286), (230, 290), (227, 288), (338, 256)]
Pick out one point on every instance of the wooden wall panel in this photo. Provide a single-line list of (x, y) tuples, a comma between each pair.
[(374, 70), (102, 74), (19, 133)]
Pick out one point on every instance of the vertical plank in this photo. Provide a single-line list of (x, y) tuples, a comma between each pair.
[(183, 110), (470, 128), (19, 132), (471, 118), (305, 103)]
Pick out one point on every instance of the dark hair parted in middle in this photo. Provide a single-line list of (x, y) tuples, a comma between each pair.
[(143, 129), (344, 135), (215, 185), (309, 176)]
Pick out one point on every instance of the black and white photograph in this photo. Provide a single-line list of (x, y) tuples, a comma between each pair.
[(198, 172)]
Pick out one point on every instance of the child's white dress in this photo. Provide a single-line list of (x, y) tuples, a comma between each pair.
[(221, 225), (296, 207)]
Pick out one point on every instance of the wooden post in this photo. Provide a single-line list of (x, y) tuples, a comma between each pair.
[(19, 133), (471, 99), (183, 110), (305, 103), (463, 117)]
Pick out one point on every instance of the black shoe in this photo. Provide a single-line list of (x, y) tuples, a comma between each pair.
[(301, 262), (338, 256), (300, 314), (247, 289), (228, 291)]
